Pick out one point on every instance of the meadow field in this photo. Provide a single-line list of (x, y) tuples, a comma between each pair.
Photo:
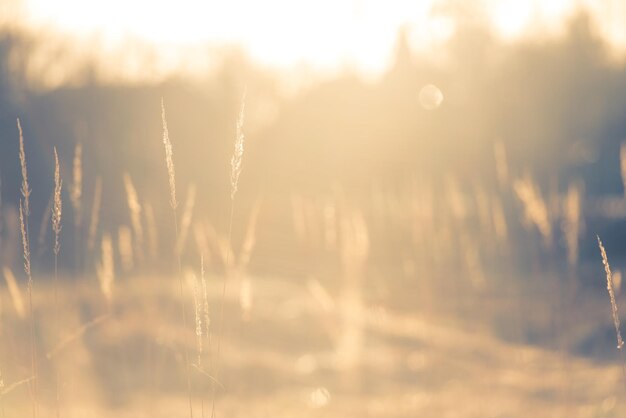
[(422, 300), (358, 210)]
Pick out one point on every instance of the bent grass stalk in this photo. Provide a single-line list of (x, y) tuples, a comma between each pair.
[(134, 208), (43, 226), (95, 214), (24, 213), (205, 301), (56, 227), (27, 270), (74, 336), (173, 203), (236, 166), (25, 190), (76, 192), (14, 292), (614, 312), (186, 219), (105, 270)]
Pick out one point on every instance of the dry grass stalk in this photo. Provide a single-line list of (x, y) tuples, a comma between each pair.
[(95, 214), (134, 208), (57, 207), (186, 220), (14, 291), (151, 231), (200, 238), (236, 166), (24, 213), (168, 158), (43, 227), (354, 252), (106, 268), (610, 288), (76, 334), (535, 208), (27, 270), (321, 295), (237, 159), (616, 322), (205, 299), (125, 248), (217, 244), (617, 282), (25, 245), (249, 240), (330, 224), (15, 385), (174, 204), (197, 303), (246, 291), (25, 188), (572, 223), (246, 296), (76, 190), (56, 227)]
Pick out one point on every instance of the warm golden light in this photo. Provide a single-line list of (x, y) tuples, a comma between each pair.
[(323, 37), (338, 208)]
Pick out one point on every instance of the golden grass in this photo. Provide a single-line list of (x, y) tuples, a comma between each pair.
[(185, 223), (25, 187), (25, 246), (23, 215), (125, 248), (249, 240), (572, 223), (56, 227), (14, 291), (535, 207), (134, 208), (205, 300), (237, 158), (197, 303), (106, 268), (342, 231), (76, 191), (174, 204), (169, 158), (152, 234), (610, 288), (95, 214), (57, 208)]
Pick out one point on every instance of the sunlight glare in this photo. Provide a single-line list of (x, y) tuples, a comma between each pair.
[(430, 97), (511, 17), (323, 37)]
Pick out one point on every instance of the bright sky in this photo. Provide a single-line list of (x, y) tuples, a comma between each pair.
[(324, 35)]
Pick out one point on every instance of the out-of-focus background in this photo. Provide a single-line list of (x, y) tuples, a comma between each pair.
[(414, 229)]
